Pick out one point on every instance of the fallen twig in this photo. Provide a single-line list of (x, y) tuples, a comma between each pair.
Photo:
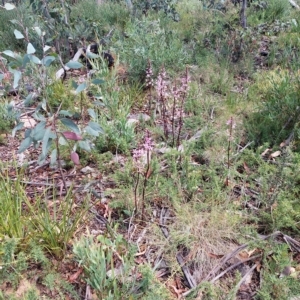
[(245, 276), (233, 267), (229, 256), (187, 274)]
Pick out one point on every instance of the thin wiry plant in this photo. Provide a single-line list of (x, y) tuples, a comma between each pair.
[(162, 92), (231, 125), (179, 95), (184, 91), (149, 83), (143, 168), (175, 97)]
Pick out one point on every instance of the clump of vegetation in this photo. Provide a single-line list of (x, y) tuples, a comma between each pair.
[(173, 173)]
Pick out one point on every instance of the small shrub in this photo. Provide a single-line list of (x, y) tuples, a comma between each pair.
[(7, 117), (148, 40), (271, 11), (118, 137), (100, 17), (101, 258), (274, 286), (277, 113)]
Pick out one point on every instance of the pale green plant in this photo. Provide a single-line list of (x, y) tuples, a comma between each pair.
[(12, 198), (55, 223), (98, 258)]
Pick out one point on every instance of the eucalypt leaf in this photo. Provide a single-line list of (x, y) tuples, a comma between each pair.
[(93, 129), (70, 124)]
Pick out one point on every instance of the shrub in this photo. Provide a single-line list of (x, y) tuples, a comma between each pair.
[(148, 40), (277, 113), (7, 37)]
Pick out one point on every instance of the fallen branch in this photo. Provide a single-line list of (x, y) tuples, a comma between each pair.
[(294, 4), (245, 277)]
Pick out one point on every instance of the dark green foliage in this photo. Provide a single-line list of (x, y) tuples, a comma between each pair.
[(7, 37), (7, 117), (276, 287), (167, 6)]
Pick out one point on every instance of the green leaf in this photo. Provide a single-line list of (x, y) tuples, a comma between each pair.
[(9, 53), (38, 116), (97, 81), (47, 60), (74, 84), (17, 77), (92, 55), (96, 126), (1, 77), (91, 131), (65, 113), (30, 49), (9, 6), (46, 48), (46, 139), (74, 64), (28, 132), (70, 124), (62, 141), (38, 135), (29, 100), (81, 87), (38, 31), (26, 60), (92, 113), (53, 157), (84, 145), (25, 144), (34, 59), (11, 106), (39, 126), (18, 127), (18, 34)]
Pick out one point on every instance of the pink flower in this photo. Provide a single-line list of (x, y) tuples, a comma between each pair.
[(149, 75), (137, 154), (161, 85), (148, 143), (231, 123)]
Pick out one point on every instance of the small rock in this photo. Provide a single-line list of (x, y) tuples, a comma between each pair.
[(140, 117), (87, 170)]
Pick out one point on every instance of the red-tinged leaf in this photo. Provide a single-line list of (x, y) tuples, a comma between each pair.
[(74, 276), (247, 169), (148, 173), (69, 135), (216, 256), (75, 158)]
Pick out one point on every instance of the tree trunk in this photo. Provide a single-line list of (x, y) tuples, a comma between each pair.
[(243, 14)]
